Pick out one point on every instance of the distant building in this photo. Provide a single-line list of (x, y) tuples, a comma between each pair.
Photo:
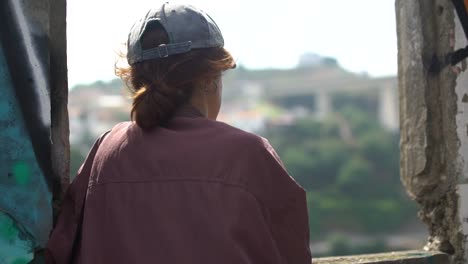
[(94, 110), (315, 60), (321, 90), (305, 91)]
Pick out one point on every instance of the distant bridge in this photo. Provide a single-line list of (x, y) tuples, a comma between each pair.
[(322, 83)]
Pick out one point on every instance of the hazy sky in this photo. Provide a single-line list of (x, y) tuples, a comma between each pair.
[(361, 34)]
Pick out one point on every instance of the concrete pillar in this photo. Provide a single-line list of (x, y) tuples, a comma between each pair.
[(34, 149), (461, 90), (388, 107), (430, 121), (323, 103)]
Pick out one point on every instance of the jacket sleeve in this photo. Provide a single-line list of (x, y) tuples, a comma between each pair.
[(290, 229), (63, 238), (285, 202)]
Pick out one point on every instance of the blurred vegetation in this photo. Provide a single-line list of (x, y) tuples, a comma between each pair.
[(349, 166), (341, 246)]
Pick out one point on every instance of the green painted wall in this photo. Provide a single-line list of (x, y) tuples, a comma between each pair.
[(25, 200)]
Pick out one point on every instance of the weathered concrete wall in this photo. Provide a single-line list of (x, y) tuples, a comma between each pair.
[(461, 90), (430, 138), (403, 257), (33, 123)]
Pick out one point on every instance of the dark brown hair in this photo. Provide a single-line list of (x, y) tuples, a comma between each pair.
[(160, 86)]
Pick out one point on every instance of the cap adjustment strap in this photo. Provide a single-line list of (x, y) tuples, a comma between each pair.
[(164, 50)]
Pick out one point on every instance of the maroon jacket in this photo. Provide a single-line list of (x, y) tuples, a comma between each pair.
[(194, 191)]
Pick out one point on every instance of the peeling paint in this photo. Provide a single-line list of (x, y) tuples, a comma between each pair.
[(15, 248), (34, 147), (25, 194), (25, 124)]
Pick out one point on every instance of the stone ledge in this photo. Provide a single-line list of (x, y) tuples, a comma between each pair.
[(401, 257)]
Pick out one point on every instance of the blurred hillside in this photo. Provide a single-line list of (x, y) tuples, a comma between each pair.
[(336, 131)]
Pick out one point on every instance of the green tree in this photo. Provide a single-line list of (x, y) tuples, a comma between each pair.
[(354, 178), (352, 183)]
